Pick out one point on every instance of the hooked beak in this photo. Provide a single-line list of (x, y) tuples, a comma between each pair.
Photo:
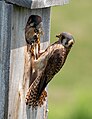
[(58, 36)]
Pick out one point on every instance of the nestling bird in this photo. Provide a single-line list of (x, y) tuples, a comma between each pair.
[(49, 63), (33, 30)]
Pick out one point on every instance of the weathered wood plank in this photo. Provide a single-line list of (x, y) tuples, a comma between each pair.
[(38, 3), (5, 39), (20, 63)]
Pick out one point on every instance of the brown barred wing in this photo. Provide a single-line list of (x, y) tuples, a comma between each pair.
[(32, 98)]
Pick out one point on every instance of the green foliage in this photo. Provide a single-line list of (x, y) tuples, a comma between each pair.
[(70, 95)]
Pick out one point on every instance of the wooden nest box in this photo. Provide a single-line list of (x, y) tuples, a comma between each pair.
[(14, 60)]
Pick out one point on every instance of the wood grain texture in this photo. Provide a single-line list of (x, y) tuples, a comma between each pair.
[(5, 39), (38, 3), (20, 63)]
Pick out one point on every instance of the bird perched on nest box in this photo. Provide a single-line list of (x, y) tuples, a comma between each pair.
[(33, 30), (49, 63)]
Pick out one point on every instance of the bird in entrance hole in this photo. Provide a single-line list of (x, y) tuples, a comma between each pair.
[(33, 31), (49, 63)]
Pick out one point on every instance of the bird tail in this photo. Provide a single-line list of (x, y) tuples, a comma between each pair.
[(42, 98), (31, 99)]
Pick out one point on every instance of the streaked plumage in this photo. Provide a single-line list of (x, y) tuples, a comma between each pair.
[(49, 63)]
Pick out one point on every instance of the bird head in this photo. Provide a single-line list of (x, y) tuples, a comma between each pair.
[(66, 39), (35, 21)]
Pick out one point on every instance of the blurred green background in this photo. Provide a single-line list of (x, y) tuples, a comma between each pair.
[(70, 92)]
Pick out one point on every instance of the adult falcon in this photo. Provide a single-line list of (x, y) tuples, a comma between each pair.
[(49, 63)]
